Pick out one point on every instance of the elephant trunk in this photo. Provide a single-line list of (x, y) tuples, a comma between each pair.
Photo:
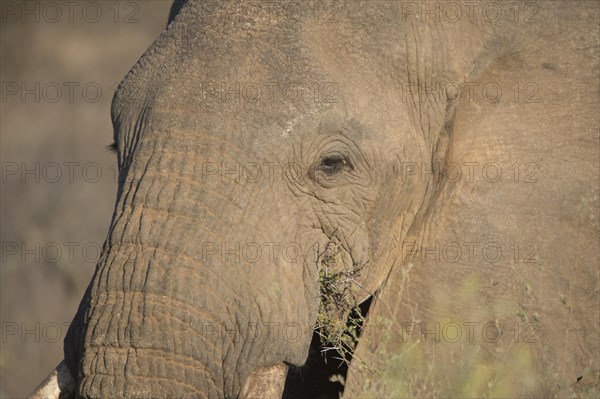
[(172, 309), (146, 333)]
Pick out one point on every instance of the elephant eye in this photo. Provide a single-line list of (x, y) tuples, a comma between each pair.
[(332, 164), (329, 170)]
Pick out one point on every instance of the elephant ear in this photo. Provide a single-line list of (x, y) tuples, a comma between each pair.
[(175, 8), (496, 289), (430, 68)]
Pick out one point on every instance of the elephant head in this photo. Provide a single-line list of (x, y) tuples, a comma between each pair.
[(257, 154)]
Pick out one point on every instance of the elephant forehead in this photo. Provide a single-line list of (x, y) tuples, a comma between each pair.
[(255, 83)]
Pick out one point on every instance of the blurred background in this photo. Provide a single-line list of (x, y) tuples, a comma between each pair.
[(60, 64)]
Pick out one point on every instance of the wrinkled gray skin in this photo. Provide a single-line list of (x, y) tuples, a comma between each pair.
[(163, 316)]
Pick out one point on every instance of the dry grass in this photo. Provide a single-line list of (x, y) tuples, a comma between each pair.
[(339, 321)]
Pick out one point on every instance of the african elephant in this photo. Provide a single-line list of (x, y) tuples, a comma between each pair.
[(282, 163)]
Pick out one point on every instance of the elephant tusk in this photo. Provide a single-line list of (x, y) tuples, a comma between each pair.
[(59, 384), (265, 383)]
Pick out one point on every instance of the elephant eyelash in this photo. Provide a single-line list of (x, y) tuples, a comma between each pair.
[(112, 147)]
